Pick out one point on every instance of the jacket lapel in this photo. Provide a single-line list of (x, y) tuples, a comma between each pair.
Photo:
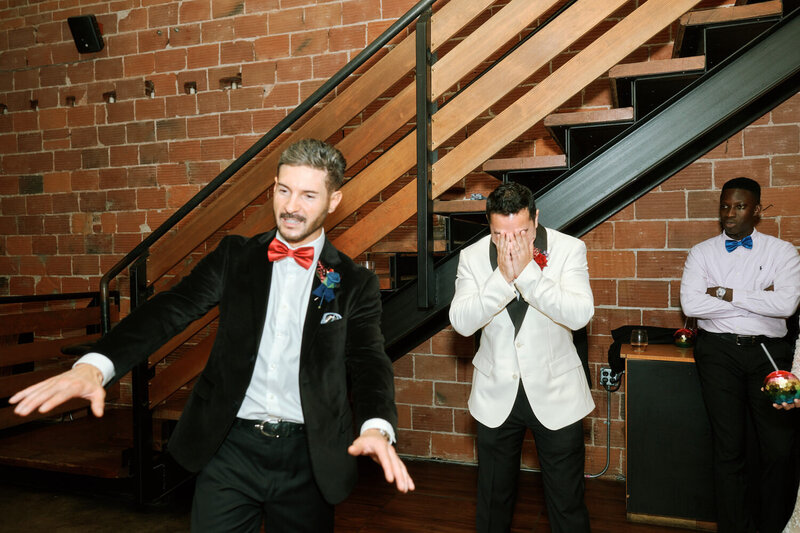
[(329, 258)]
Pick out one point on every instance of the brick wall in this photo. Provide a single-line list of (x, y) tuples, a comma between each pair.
[(82, 180)]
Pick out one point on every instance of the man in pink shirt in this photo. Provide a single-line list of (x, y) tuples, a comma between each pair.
[(741, 285)]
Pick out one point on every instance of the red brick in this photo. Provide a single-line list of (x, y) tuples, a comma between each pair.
[(434, 367), (687, 233), (788, 111), (451, 394), (28, 163), (120, 112), (202, 56), (171, 129), (52, 118), (757, 169), (246, 98), (784, 200), (181, 105), (448, 342), (52, 75), (604, 291), (785, 170), (56, 225), (600, 237), (660, 264), (151, 198), (185, 35), (309, 42), (205, 126), (732, 148), (703, 204), (178, 195), (271, 47), (635, 293), (140, 64), (113, 178), (185, 151), (142, 177), (413, 392), (56, 182), (33, 266), (250, 26), (226, 8), (696, 176), (124, 156), (172, 174), (263, 121), (86, 265), (293, 69), (217, 31), (606, 264), (170, 60), (262, 73), (235, 123), (195, 10), (453, 447), (152, 40), (355, 11), (83, 137), (661, 205), (13, 206), (431, 419), (221, 148), (605, 320), (94, 157), (212, 102), (414, 443), (17, 245), (135, 19), (790, 229), (663, 318), (153, 153), (325, 66), (25, 121), (108, 69), (150, 108), (347, 38), (29, 142), (121, 200), (163, 15), (39, 204), (640, 234), (770, 140)]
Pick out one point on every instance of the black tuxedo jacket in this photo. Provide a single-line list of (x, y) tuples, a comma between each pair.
[(342, 363)]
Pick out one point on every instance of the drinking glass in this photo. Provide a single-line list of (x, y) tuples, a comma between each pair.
[(639, 340)]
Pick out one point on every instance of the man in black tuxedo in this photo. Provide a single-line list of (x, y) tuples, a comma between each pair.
[(269, 423)]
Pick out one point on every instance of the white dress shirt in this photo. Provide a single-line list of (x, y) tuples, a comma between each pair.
[(753, 310), (274, 390)]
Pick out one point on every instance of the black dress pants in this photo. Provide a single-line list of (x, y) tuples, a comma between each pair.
[(252, 478), (731, 377), (561, 456)]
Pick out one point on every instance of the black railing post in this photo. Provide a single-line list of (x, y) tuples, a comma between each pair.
[(426, 280), (142, 456)]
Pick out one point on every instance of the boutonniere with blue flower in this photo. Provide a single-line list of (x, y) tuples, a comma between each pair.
[(329, 280)]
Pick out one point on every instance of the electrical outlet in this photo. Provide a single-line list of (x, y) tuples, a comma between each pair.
[(608, 378)]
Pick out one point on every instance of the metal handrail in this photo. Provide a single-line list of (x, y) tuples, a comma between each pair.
[(142, 249)]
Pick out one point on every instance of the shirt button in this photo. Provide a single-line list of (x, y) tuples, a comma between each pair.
[(514, 376), (518, 344), (272, 366)]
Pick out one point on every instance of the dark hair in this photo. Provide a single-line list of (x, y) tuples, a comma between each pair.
[(510, 199), (319, 155), (745, 184)]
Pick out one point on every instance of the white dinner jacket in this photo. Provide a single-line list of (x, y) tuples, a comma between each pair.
[(542, 354)]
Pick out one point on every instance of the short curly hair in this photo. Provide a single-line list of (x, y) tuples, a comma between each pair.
[(319, 155)]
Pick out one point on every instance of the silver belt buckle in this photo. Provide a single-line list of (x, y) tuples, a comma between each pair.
[(748, 339), (260, 427)]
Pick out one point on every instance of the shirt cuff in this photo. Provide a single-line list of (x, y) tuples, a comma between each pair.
[(99, 361), (379, 423)]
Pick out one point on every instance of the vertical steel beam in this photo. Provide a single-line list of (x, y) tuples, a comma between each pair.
[(142, 456), (426, 281)]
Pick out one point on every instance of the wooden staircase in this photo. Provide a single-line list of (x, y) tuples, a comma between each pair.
[(477, 113)]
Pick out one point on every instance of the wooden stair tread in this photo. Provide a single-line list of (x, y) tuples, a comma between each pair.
[(719, 15), (86, 446), (459, 206), (657, 67), (600, 116), (722, 15), (405, 245), (520, 163)]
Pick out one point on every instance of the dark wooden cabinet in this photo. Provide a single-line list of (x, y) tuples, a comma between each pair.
[(669, 468)]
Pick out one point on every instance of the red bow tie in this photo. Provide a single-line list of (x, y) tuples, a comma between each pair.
[(303, 256)]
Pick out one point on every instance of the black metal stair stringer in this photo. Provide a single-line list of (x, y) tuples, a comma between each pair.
[(726, 99)]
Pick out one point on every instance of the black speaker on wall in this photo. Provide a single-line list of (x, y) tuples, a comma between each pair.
[(86, 32)]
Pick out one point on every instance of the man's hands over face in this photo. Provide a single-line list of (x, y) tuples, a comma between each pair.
[(514, 252)]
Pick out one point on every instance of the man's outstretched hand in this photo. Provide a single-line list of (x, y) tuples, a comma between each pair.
[(375, 445), (83, 381)]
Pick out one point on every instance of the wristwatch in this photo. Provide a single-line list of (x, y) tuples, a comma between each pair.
[(721, 292)]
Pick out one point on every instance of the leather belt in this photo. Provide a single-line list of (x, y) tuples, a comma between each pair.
[(274, 428), (742, 340)]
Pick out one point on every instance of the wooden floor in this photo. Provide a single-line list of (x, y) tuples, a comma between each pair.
[(444, 502)]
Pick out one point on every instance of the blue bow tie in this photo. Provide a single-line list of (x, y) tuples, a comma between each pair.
[(731, 245)]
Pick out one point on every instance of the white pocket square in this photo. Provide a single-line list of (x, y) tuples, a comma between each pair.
[(330, 317)]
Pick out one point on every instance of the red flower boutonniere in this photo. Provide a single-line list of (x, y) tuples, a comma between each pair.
[(540, 258)]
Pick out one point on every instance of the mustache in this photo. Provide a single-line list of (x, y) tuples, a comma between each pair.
[(289, 216)]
